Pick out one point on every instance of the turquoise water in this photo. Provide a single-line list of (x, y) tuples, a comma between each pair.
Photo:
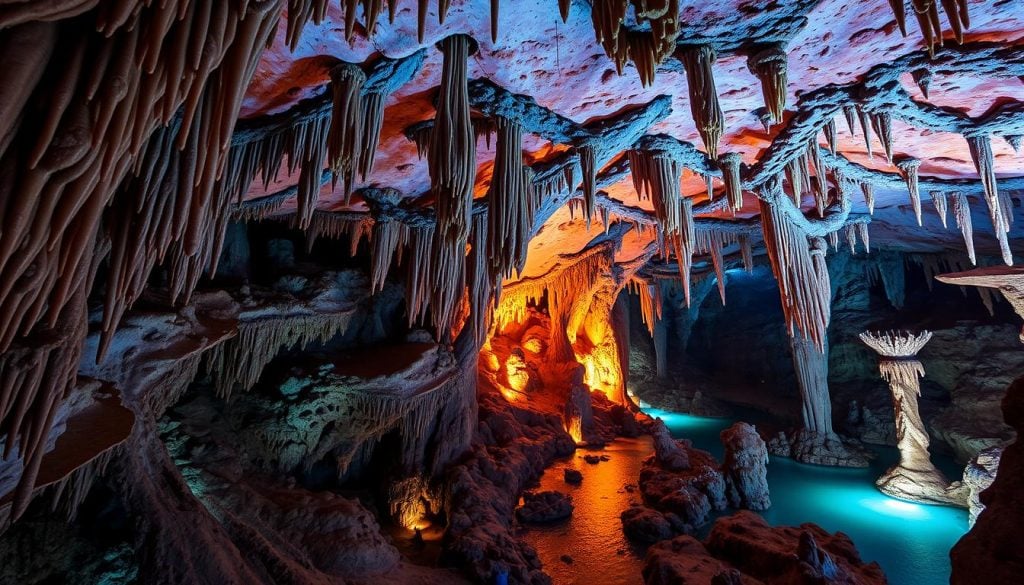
[(910, 541)]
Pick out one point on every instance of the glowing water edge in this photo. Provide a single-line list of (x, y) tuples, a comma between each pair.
[(910, 541)]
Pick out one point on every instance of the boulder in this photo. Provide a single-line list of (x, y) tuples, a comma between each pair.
[(646, 525), (744, 467), (978, 475)]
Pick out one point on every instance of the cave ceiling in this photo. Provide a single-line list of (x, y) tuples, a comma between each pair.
[(562, 67)]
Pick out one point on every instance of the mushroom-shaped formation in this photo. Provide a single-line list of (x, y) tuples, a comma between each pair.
[(914, 477)]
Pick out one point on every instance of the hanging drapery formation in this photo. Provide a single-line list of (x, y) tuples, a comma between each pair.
[(345, 137), (1000, 209), (730, 163), (770, 65), (910, 168), (452, 150), (704, 106), (511, 204), (806, 298), (914, 477), (647, 48), (941, 205), (962, 214)]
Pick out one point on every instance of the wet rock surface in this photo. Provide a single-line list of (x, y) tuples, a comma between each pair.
[(543, 507)]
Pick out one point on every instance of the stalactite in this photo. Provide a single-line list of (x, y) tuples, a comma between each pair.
[(647, 48), (1014, 140), (923, 78), (962, 213), (805, 298), (882, 125), (650, 301), (769, 65), (850, 113), (747, 253), (481, 280), (910, 168), (384, 242), (1000, 213), (345, 137), (559, 288), (711, 242), (865, 127), (820, 187), (862, 231), (730, 164), (334, 226), (588, 164), (765, 117), (700, 79), (510, 203), (796, 171), (372, 120), (833, 239), (452, 150), (448, 286), (900, 12), (941, 205), (869, 196), (851, 239), (831, 135), (420, 277), (927, 15)]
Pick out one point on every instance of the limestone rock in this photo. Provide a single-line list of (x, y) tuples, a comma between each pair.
[(978, 475), (643, 524), (745, 468)]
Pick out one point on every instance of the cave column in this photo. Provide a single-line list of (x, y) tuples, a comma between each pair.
[(620, 331), (914, 477), (811, 368), (660, 338)]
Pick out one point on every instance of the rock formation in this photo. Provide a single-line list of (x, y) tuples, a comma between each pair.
[(745, 468)]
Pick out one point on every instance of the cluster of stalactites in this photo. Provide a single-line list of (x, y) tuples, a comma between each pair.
[(801, 273), (770, 66), (1000, 208), (704, 105), (711, 242), (302, 11), (561, 289), (854, 231), (482, 283), (511, 203), (345, 137), (144, 66), (647, 49), (657, 176), (649, 294), (880, 122), (927, 13), (451, 155)]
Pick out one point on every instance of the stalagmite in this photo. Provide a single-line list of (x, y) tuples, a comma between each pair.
[(452, 151), (914, 478), (769, 65), (730, 163), (700, 80), (941, 205), (1000, 210), (345, 137), (910, 168), (962, 213), (806, 299), (511, 207)]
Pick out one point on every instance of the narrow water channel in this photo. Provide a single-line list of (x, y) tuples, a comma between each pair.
[(910, 541)]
